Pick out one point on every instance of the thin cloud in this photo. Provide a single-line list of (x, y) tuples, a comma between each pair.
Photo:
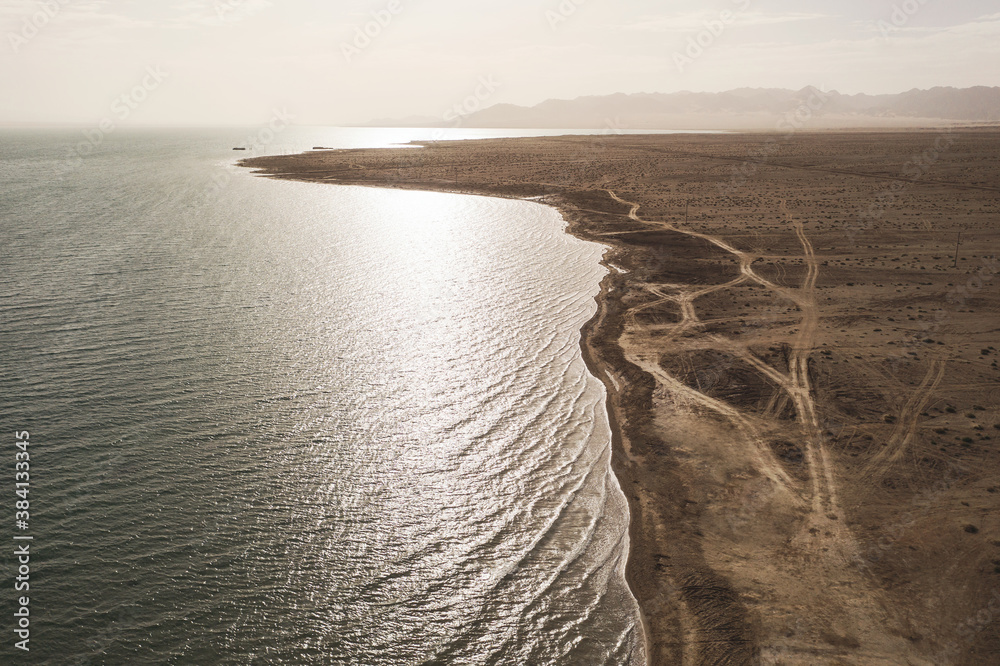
[(16, 10), (988, 25), (696, 21), (215, 13)]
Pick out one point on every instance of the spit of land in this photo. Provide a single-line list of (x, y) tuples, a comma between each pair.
[(799, 340)]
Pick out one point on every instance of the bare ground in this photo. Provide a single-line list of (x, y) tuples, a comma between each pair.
[(802, 378)]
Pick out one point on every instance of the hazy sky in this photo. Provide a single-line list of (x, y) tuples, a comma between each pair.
[(231, 62)]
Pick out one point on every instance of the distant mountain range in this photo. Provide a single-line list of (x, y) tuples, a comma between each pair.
[(744, 108)]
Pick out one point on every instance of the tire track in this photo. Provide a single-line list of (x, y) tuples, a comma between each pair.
[(822, 546), (906, 426), (796, 383)]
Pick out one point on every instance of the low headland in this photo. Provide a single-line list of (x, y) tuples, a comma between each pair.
[(799, 340)]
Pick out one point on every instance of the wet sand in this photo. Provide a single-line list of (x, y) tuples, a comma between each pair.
[(802, 379)]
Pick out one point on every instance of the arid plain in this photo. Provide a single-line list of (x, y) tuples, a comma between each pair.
[(802, 374)]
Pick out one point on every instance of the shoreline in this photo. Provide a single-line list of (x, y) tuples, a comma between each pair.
[(588, 355), (603, 375), (616, 445), (757, 508)]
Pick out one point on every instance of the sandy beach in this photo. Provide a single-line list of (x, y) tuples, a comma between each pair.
[(797, 336)]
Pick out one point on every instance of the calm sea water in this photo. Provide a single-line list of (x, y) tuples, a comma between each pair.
[(286, 423)]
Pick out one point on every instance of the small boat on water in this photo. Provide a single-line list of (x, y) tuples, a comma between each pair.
[(239, 148)]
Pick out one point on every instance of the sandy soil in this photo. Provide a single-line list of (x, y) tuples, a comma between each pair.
[(803, 380)]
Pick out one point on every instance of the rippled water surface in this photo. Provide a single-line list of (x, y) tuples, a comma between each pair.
[(286, 423)]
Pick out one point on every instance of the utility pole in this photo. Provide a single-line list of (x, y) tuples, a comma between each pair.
[(957, 244), (687, 206)]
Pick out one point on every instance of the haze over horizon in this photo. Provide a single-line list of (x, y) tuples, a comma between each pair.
[(234, 62)]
